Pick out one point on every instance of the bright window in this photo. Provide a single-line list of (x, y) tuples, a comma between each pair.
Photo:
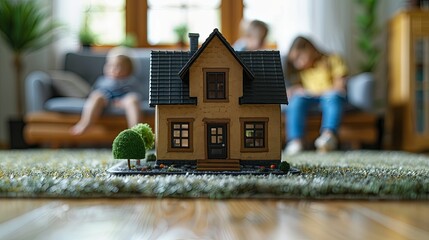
[(106, 19), (268, 11), (164, 16)]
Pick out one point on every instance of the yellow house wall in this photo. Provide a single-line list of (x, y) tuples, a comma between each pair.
[(217, 56)]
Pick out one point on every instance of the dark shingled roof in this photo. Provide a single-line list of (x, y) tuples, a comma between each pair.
[(263, 81), (268, 86), (166, 87)]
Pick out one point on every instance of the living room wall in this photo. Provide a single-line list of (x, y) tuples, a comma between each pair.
[(330, 23)]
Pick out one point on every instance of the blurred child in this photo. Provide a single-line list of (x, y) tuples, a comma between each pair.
[(254, 37), (118, 87), (319, 79)]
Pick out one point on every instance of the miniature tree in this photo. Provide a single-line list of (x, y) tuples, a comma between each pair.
[(284, 166), (146, 133), (128, 145)]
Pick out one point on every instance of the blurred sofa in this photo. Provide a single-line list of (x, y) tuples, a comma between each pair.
[(55, 99), (360, 125), (50, 113)]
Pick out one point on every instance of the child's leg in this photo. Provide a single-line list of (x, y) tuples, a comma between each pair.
[(332, 110), (130, 103), (91, 111), (296, 116)]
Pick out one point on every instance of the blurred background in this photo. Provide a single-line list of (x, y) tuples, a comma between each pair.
[(161, 24)]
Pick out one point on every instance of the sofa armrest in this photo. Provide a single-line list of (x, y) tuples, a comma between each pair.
[(360, 91), (38, 89)]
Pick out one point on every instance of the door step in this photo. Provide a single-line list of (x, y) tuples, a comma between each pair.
[(218, 165)]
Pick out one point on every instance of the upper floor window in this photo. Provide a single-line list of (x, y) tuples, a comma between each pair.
[(216, 84)]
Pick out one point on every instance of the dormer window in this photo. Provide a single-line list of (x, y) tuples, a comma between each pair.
[(216, 85)]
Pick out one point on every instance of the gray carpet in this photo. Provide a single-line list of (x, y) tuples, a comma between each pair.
[(338, 175)]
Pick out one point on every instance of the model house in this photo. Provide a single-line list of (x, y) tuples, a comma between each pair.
[(217, 106)]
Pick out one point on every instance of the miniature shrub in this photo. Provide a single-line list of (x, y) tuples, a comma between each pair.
[(151, 157), (284, 166), (128, 145), (146, 133)]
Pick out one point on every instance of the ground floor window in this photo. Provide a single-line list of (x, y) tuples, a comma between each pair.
[(254, 134), (180, 134)]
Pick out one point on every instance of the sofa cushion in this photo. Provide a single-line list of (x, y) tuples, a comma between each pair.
[(69, 84), (75, 105)]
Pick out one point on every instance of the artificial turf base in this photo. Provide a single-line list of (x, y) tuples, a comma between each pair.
[(337, 175)]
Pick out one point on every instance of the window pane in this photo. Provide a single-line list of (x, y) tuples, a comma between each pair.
[(185, 143), (269, 11), (249, 143), (212, 86), (176, 133), (249, 133), (176, 126), (178, 3), (185, 126), (219, 130), (259, 143), (106, 19), (219, 139), (176, 142), (249, 126), (259, 133), (213, 131), (213, 140), (185, 133), (165, 15)]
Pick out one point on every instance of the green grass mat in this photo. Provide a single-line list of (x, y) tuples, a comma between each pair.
[(338, 175)]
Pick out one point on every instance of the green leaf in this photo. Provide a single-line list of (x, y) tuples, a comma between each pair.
[(25, 26), (367, 29)]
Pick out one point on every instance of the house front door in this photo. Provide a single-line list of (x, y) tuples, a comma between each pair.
[(217, 141)]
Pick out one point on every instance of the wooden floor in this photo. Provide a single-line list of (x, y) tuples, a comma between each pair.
[(209, 219)]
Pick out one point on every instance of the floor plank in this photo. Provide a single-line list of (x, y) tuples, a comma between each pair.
[(209, 219)]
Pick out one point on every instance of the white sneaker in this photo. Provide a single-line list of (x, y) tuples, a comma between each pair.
[(293, 147), (326, 142)]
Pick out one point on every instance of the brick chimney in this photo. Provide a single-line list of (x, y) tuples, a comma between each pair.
[(193, 41)]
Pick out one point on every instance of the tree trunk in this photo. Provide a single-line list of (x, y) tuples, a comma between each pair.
[(17, 63), (129, 165)]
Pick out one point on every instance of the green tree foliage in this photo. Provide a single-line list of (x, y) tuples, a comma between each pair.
[(146, 133), (128, 145), (284, 166)]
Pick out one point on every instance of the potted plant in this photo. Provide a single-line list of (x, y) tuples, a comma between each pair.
[(368, 31), (180, 31), (25, 27), (87, 38)]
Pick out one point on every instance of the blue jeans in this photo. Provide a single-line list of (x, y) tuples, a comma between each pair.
[(330, 103)]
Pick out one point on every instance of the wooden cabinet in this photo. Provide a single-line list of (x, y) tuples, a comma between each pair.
[(407, 117)]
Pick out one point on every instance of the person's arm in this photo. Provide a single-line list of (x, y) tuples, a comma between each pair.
[(339, 73), (295, 89), (340, 84)]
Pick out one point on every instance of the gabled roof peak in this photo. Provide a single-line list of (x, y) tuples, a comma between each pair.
[(215, 33)]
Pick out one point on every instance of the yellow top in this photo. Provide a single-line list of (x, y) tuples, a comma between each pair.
[(319, 78)]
